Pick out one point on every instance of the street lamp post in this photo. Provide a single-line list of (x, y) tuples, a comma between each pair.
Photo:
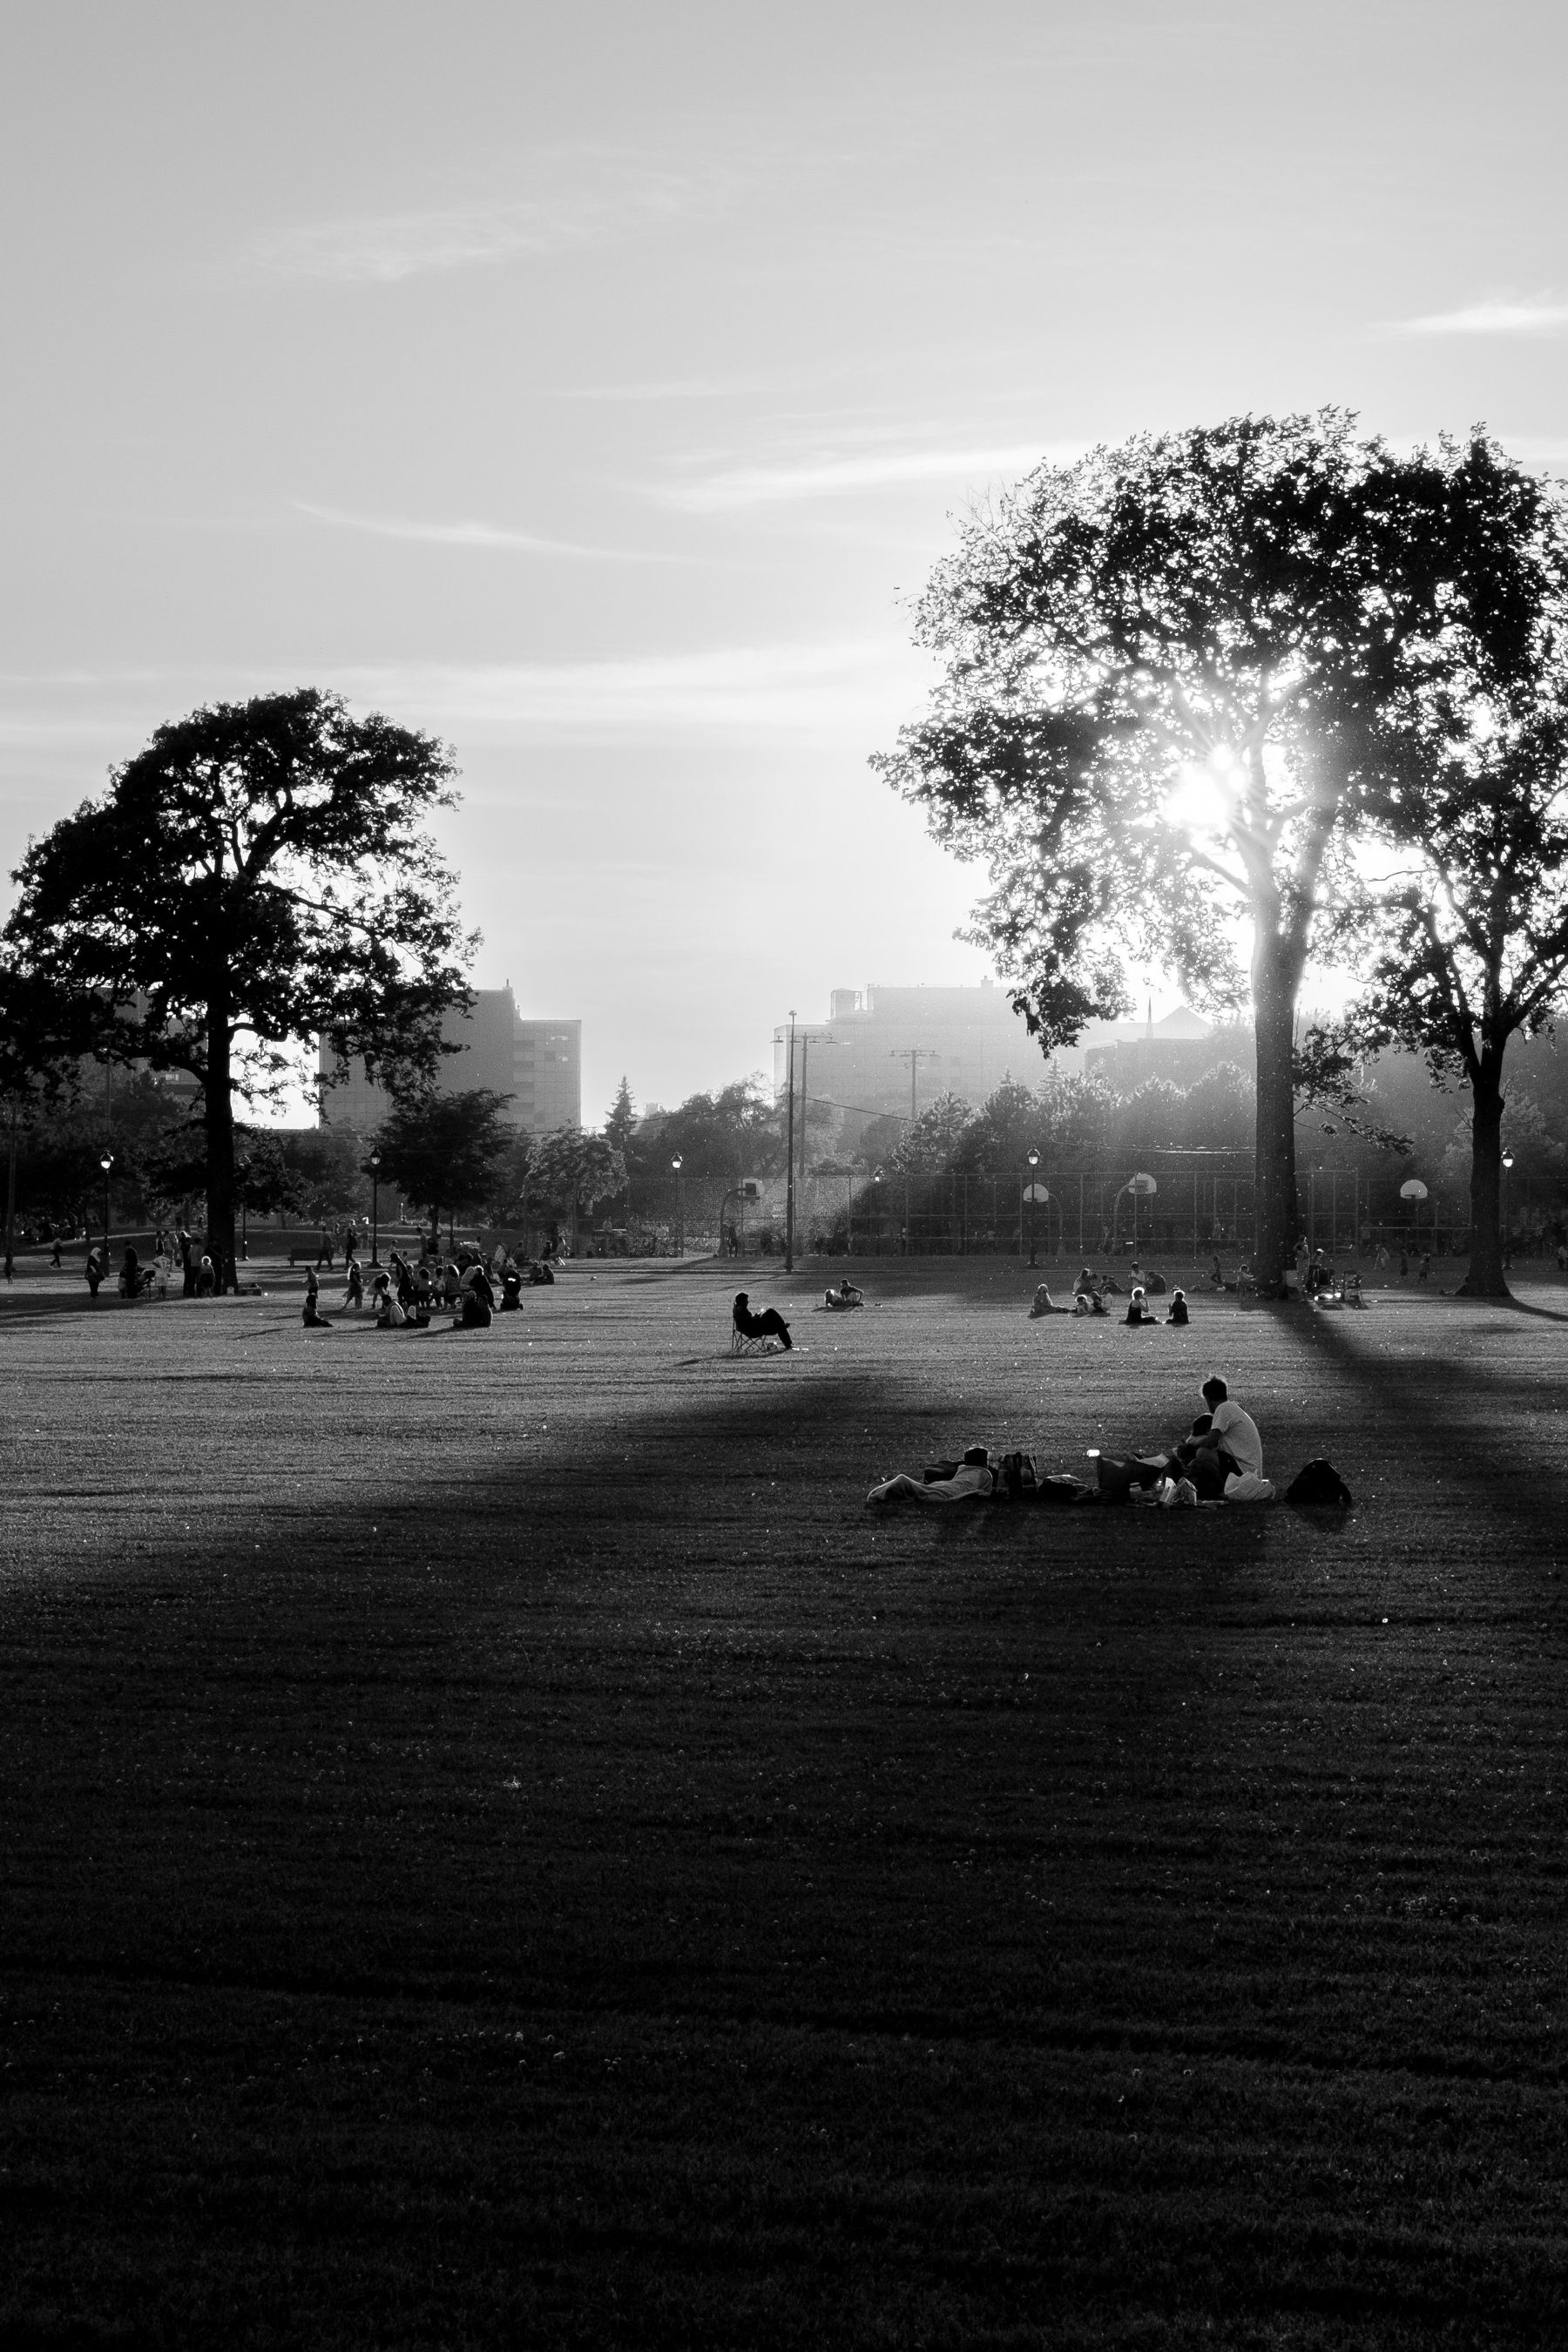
[(106, 1163), (242, 1169), (1034, 1160), (680, 1208), (876, 1179), (1507, 1252), (374, 1164)]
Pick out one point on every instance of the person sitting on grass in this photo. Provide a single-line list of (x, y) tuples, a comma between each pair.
[(313, 1318), (1044, 1304), (971, 1483), (1224, 1445), (844, 1297), (388, 1310), (1139, 1310), (510, 1289), (769, 1325), (1227, 1446), (1178, 1313), (477, 1301)]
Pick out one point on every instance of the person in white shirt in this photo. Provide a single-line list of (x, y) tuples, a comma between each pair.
[(1231, 1441)]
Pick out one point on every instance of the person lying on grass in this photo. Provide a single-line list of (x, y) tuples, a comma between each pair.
[(971, 1482), (844, 1297), (769, 1325)]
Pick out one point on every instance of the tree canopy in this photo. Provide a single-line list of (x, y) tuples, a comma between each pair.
[(256, 876), (622, 1123), (569, 1171), (1463, 923), (443, 1151), (1162, 664), (733, 1133)]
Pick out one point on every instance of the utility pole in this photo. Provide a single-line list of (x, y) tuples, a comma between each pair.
[(808, 1038), (789, 1157), (11, 1192), (914, 1055)]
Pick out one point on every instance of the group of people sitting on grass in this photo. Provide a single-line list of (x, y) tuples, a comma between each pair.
[(465, 1286), (1219, 1460), (1089, 1294)]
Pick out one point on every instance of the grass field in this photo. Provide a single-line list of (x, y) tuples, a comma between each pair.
[(500, 1846)]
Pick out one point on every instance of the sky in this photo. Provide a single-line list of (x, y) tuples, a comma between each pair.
[(596, 387)]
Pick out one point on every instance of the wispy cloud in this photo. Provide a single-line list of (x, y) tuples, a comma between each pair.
[(841, 475), (476, 534), (686, 387), (1503, 315), (595, 199), (858, 689)]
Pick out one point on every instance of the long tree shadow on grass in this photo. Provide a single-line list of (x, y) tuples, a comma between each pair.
[(628, 1876)]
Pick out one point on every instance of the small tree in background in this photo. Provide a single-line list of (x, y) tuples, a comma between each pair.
[(622, 1123), (325, 1161), (444, 1151), (731, 1134), (927, 1149), (569, 1172), (256, 878)]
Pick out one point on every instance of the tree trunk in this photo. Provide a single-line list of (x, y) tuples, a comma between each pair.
[(1486, 1278), (436, 1229), (219, 1123), (1275, 974)]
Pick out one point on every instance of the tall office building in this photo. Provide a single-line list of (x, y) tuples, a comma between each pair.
[(538, 1064)]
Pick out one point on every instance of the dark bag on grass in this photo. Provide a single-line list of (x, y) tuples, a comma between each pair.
[(1059, 1488), (1319, 1483), (1020, 1475)]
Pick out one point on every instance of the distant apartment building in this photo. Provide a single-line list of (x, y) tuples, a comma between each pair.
[(881, 1048), (537, 1064), (965, 1041)]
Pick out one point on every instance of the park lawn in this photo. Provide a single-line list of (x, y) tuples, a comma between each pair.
[(500, 1844)]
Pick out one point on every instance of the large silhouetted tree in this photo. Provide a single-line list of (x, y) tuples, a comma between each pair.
[(1162, 665), (256, 876), (1465, 938)]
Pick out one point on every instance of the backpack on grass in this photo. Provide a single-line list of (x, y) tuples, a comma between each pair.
[(1319, 1483)]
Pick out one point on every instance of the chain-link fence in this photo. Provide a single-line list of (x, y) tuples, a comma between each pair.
[(1088, 1214)]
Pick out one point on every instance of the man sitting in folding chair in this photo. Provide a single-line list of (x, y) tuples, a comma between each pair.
[(752, 1333)]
